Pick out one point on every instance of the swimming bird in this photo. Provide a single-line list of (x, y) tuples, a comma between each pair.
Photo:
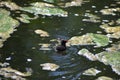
[(62, 46)]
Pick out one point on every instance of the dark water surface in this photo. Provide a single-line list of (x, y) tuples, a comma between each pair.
[(19, 46)]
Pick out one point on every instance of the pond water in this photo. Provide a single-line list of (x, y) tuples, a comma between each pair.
[(19, 46)]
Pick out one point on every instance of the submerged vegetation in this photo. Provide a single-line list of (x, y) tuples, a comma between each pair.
[(12, 15)]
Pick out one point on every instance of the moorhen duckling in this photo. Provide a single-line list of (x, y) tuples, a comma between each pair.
[(62, 46)]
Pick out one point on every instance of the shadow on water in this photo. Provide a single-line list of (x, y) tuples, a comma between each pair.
[(19, 47)]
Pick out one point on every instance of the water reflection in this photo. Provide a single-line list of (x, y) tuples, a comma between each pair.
[(71, 65)]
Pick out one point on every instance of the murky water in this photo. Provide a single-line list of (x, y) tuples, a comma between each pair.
[(19, 46)]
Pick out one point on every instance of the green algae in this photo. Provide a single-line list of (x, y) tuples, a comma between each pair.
[(9, 4), (7, 25), (50, 1), (113, 31), (44, 9), (107, 57), (37, 8), (89, 39), (24, 18), (99, 39), (85, 39), (84, 52), (114, 47), (110, 11), (8, 72), (91, 72), (110, 58), (49, 66), (104, 78), (7, 22), (91, 18)]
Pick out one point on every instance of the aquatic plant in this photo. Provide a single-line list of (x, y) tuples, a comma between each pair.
[(99, 39), (49, 66), (7, 25), (44, 9), (89, 39), (104, 78), (42, 33), (91, 72), (110, 58), (87, 54)]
